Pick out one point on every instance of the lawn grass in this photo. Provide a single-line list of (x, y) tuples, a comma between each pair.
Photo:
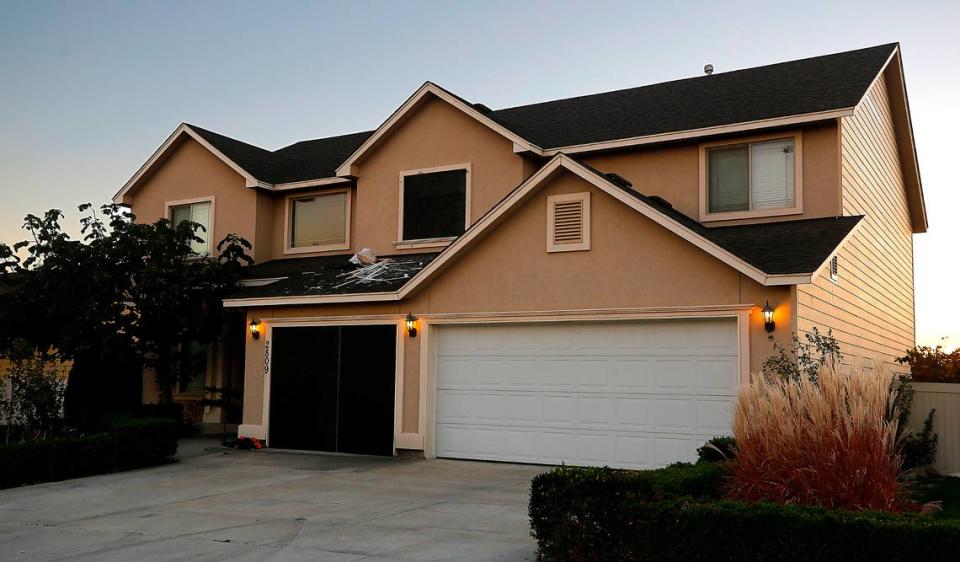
[(945, 490)]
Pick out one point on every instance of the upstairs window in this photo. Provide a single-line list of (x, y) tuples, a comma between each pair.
[(318, 222), (434, 203), (751, 179), (200, 212)]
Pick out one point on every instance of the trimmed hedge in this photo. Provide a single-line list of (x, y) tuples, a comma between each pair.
[(132, 443), (676, 514)]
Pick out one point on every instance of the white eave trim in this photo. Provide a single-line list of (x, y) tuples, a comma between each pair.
[(249, 179), (562, 161), (308, 299), (183, 129), (260, 282), (702, 132), (520, 144), (319, 182)]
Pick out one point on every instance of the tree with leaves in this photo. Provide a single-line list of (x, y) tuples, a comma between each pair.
[(126, 293)]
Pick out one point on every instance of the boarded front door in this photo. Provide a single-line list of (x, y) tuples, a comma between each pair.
[(332, 389)]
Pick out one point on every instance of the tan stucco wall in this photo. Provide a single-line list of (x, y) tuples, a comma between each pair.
[(672, 171), (633, 263), (189, 172), (435, 135)]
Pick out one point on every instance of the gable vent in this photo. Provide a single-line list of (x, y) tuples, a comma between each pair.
[(568, 222)]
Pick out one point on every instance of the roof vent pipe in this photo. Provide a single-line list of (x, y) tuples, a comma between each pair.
[(708, 69)]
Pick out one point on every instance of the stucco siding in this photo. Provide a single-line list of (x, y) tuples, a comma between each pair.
[(633, 263), (672, 171), (870, 308), (190, 172)]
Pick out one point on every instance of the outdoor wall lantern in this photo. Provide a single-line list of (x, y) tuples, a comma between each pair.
[(768, 323), (411, 325), (255, 328)]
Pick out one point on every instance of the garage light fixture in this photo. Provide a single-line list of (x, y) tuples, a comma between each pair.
[(255, 328), (411, 325), (768, 324)]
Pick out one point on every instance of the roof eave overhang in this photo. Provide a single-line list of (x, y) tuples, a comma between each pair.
[(184, 130), (704, 132), (562, 162), (310, 299), (171, 143)]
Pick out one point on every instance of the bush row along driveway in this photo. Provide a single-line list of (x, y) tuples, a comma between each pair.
[(238, 505)]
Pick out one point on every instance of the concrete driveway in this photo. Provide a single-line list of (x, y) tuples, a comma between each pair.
[(218, 504)]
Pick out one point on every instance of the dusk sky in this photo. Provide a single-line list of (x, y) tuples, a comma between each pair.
[(91, 89)]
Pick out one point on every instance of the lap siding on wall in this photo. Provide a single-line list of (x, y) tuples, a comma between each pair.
[(871, 307)]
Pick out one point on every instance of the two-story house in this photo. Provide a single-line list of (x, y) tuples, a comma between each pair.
[(586, 280)]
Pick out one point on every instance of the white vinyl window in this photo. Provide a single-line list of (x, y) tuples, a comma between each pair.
[(319, 222), (754, 176), (199, 213)]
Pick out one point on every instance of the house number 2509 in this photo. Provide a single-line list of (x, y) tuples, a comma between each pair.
[(266, 357)]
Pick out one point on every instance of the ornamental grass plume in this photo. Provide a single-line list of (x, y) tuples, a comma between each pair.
[(829, 442)]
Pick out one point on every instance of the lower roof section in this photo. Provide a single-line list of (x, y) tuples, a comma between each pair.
[(326, 276)]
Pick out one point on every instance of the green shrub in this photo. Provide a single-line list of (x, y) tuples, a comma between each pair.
[(132, 443), (676, 514), (718, 449)]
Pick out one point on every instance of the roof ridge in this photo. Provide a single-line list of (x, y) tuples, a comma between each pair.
[(693, 78)]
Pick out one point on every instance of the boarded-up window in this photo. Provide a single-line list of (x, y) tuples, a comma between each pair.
[(568, 222), (434, 204)]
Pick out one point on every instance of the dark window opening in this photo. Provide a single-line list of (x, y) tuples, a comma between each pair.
[(434, 204)]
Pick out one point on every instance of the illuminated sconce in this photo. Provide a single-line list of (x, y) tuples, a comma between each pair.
[(411, 325), (768, 324), (255, 328)]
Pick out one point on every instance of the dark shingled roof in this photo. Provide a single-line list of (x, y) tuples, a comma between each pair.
[(779, 248), (810, 85), (305, 160), (327, 275)]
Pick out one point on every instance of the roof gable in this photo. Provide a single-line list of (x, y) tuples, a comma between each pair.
[(427, 91)]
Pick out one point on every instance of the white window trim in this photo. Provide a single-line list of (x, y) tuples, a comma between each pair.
[(211, 238), (796, 209), (402, 243), (585, 243), (288, 223)]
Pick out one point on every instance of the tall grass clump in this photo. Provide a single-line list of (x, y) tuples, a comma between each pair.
[(825, 441)]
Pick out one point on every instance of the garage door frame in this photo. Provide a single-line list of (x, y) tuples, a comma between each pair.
[(377, 320), (432, 324)]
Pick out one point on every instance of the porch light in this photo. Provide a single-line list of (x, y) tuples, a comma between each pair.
[(768, 323), (411, 325), (255, 328)]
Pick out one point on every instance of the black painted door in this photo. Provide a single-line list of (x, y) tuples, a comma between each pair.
[(367, 372), (332, 388)]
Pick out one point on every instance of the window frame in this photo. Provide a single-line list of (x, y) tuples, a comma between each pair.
[(168, 213), (584, 244), (704, 149), (401, 243), (288, 247)]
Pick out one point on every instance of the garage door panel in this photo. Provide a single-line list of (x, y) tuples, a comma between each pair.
[(627, 394), (718, 376)]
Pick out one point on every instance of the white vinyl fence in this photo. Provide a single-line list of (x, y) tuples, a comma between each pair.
[(945, 399)]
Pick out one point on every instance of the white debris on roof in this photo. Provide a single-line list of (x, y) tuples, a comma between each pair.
[(383, 271)]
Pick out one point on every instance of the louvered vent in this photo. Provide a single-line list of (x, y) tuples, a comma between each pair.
[(568, 222)]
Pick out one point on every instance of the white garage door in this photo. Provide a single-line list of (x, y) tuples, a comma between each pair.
[(623, 394)]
